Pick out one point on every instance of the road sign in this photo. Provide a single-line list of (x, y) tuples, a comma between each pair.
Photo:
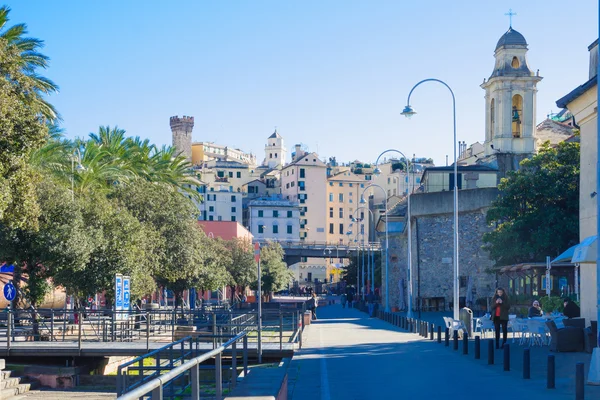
[(126, 293), (257, 252), (118, 292), (10, 292)]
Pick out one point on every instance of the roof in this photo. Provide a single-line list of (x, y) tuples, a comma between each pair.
[(462, 168), (577, 92), (553, 131), (527, 266), (275, 135), (511, 38)]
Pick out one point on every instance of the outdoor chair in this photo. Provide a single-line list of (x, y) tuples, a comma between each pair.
[(537, 332), (455, 325), (565, 339), (519, 325), (591, 337), (576, 322), (486, 325)]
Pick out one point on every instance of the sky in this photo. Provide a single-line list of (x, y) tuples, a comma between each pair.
[(333, 75)]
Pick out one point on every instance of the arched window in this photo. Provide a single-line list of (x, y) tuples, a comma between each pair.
[(492, 118), (517, 116), (515, 63)]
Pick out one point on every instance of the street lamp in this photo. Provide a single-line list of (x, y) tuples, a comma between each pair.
[(362, 201), (408, 217), (354, 219), (409, 112), (79, 168)]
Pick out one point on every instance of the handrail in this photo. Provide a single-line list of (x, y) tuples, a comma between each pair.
[(159, 382)]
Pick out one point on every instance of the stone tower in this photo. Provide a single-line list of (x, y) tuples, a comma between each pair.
[(182, 135), (275, 151), (510, 104)]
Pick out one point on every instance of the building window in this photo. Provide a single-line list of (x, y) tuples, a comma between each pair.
[(301, 185), (220, 218), (290, 229), (341, 229), (271, 155), (231, 174), (220, 174), (517, 110), (238, 174), (260, 213), (302, 173), (331, 229), (362, 215), (362, 185), (211, 208), (350, 186), (289, 214), (330, 183), (341, 197), (233, 199), (341, 184), (275, 229), (341, 212), (330, 196), (331, 213), (233, 218), (232, 209), (210, 217), (261, 228), (275, 214)]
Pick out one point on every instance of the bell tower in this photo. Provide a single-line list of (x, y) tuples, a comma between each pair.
[(275, 151), (510, 103)]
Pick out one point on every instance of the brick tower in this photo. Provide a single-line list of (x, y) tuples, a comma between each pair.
[(182, 135)]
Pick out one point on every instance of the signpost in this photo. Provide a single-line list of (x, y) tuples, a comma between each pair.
[(126, 295), (118, 294), (257, 259), (10, 292)]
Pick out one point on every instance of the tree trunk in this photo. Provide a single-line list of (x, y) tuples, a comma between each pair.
[(35, 324)]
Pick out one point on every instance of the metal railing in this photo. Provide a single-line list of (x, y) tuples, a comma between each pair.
[(189, 375)]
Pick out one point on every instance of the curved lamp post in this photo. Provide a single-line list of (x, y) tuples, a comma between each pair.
[(354, 219), (408, 217), (362, 201), (409, 112)]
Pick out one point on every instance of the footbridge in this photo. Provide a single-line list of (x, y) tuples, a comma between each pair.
[(296, 250)]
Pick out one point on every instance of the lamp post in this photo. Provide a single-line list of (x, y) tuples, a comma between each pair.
[(79, 169), (408, 217), (408, 112), (362, 201), (354, 219)]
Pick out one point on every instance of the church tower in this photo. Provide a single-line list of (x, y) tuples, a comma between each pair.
[(275, 151), (510, 104), (181, 128)]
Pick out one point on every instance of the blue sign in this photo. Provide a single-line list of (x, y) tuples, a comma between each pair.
[(126, 293), (10, 292), (119, 292)]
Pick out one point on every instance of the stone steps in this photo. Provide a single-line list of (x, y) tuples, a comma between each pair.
[(13, 387)]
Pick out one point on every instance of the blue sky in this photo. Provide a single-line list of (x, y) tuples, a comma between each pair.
[(331, 74)]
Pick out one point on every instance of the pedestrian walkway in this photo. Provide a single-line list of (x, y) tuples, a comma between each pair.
[(346, 355)]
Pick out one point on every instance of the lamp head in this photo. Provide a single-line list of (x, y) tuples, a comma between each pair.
[(408, 111), (377, 171), (362, 199), (80, 168)]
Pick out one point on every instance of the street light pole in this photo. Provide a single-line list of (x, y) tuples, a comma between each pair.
[(409, 271), (387, 289), (408, 112)]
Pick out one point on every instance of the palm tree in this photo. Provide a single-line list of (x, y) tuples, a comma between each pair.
[(19, 59)]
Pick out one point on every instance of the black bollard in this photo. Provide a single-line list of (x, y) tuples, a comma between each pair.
[(579, 387), (526, 364), (455, 338), (491, 352), (477, 347), (439, 334), (447, 337), (424, 329), (431, 332), (465, 344), (551, 377), (506, 357)]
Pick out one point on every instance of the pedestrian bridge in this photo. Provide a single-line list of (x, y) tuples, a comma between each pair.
[(296, 250)]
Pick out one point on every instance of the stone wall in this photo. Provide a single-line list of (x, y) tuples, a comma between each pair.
[(433, 246)]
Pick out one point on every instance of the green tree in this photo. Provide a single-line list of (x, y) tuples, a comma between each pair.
[(242, 268), (537, 212), (274, 271), (349, 274)]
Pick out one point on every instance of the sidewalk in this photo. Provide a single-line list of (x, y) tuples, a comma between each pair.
[(346, 355)]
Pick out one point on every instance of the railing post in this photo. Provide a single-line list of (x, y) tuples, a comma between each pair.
[(233, 364), (157, 394), (147, 331), (79, 333), (112, 326), (439, 334), (119, 381), (245, 356), (280, 331), (8, 330), (218, 377), (579, 382), (551, 381), (477, 347), (455, 340), (431, 332), (52, 325), (214, 329), (196, 382), (447, 337)]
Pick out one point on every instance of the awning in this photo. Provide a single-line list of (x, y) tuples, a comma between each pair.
[(586, 251), (566, 256)]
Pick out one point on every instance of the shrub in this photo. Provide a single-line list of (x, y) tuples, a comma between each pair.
[(552, 303)]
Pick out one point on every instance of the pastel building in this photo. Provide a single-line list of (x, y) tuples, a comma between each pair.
[(274, 219)]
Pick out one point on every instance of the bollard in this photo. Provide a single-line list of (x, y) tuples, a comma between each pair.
[(439, 333), (465, 344), (579, 387), (491, 352), (455, 338), (431, 332), (477, 347), (447, 337), (551, 376), (526, 364), (506, 357)]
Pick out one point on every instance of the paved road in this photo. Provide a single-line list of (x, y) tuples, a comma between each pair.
[(349, 356)]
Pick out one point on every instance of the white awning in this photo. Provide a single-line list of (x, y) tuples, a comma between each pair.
[(586, 251)]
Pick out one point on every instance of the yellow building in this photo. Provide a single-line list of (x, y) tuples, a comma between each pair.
[(343, 202), (583, 104)]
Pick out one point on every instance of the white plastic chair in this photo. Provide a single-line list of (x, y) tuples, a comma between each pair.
[(486, 325)]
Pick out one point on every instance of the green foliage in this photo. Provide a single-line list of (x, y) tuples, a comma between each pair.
[(552, 303), (241, 268), (275, 274), (349, 274), (537, 213)]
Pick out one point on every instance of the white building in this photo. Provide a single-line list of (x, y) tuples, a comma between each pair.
[(220, 205), (274, 219), (275, 151)]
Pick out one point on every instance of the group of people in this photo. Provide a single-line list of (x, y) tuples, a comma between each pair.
[(501, 306)]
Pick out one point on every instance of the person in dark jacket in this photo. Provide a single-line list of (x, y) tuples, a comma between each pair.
[(500, 307), (571, 309), (535, 310)]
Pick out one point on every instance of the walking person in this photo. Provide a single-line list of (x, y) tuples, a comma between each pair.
[(313, 307), (500, 307)]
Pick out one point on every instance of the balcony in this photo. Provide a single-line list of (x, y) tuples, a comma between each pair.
[(223, 179)]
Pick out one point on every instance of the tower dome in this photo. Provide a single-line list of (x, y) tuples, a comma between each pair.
[(511, 38)]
